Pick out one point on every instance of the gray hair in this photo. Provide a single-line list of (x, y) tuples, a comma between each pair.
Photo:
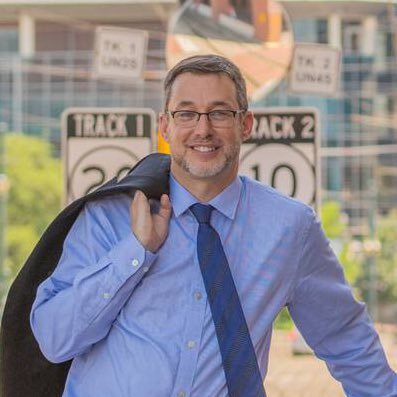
[(206, 64)]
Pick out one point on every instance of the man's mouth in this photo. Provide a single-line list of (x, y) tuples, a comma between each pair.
[(204, 149)]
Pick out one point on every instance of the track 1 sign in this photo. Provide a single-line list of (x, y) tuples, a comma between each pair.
[(100, 143), (283, 151)]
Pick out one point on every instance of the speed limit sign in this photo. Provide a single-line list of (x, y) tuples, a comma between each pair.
[(283, 151), (100, 143)]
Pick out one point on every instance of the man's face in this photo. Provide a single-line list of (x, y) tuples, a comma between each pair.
[(204, 151)]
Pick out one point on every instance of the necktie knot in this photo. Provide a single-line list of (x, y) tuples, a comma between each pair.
[(201, 212)]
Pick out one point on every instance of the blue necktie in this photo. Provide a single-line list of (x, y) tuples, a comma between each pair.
[(241, 369)]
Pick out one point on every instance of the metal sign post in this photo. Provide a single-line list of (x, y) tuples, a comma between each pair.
[(100, 143), (283, 152)]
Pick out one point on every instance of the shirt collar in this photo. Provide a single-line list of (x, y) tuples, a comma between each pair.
[(225, 202)]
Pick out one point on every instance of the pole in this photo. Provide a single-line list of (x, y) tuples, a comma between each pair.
[(3, 206)]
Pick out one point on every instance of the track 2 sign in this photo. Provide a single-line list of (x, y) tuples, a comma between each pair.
[(100, 143), (283, 151)]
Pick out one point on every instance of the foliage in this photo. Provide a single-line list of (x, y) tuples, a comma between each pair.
[(283, 320), (352, 267), (20, 241), (334, 224), (34, 196), (386, 261), (332, 220), (383, 257)]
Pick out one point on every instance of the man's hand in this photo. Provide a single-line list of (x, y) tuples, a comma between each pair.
[(150, 229)]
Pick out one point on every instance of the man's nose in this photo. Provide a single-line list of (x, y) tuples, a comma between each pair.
[(203, 125)]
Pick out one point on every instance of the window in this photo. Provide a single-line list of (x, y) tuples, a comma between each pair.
[(389, 43), (322, 31), (8, 39), (351, 36)]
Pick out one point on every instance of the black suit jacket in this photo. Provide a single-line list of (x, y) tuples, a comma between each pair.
[(24, 372)]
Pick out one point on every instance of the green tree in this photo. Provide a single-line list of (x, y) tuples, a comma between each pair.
[(334, 224), (382, 255), (386, 260), (34, 196), (332, 219)]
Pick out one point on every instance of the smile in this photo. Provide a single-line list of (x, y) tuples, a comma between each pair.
[(204, 149)]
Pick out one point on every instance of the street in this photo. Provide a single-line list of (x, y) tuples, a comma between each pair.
[(307, 376)]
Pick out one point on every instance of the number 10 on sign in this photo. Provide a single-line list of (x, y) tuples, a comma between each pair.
[(283, 152)]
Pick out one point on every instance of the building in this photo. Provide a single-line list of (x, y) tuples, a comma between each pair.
[(46, 55), (359, 125)]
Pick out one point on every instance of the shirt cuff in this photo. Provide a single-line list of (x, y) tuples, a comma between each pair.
[(129, 256)]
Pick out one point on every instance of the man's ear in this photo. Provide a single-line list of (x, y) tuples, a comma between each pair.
[(163, 126), (248, 122)]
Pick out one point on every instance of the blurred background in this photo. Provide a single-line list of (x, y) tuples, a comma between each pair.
[(49, 63)]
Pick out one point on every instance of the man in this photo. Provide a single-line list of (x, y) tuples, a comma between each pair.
[(130, 301)]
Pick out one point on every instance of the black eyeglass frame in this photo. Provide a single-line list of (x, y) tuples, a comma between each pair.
[(199, 114)]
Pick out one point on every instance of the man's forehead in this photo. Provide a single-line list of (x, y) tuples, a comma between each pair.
[(183, 93), (221, 76), (187, 102)]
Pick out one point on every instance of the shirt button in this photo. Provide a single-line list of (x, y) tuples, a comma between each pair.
[(106, 295), (181, 393), (135, 262), (191, 344), (197, 295), (145, 269)]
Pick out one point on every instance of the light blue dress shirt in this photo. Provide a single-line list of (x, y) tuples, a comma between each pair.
[(138, 324)]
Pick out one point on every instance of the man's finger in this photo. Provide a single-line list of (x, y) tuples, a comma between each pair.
[(165, 206), (140, 213), (139, 204)]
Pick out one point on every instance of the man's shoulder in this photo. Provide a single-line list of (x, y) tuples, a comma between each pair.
[(268, 198), (111, 207)]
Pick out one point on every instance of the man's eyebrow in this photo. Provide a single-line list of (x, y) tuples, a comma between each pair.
[(220, 103), (211, 104), (181, 104)]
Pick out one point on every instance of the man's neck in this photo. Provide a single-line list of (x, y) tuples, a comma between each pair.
[(204, 189)]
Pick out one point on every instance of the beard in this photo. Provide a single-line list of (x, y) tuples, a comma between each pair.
[(211, 168)]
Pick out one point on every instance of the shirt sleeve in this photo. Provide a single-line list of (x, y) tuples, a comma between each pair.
[(334, 324), (100, 266)]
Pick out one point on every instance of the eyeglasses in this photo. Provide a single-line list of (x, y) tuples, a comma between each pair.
[(217, 118)]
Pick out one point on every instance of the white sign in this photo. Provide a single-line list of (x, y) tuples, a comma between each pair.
[(283, 152), (120, 53), (100, 143), (315, 69)]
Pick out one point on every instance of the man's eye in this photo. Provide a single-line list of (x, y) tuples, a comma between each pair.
[(220, 114), (186, 115)]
